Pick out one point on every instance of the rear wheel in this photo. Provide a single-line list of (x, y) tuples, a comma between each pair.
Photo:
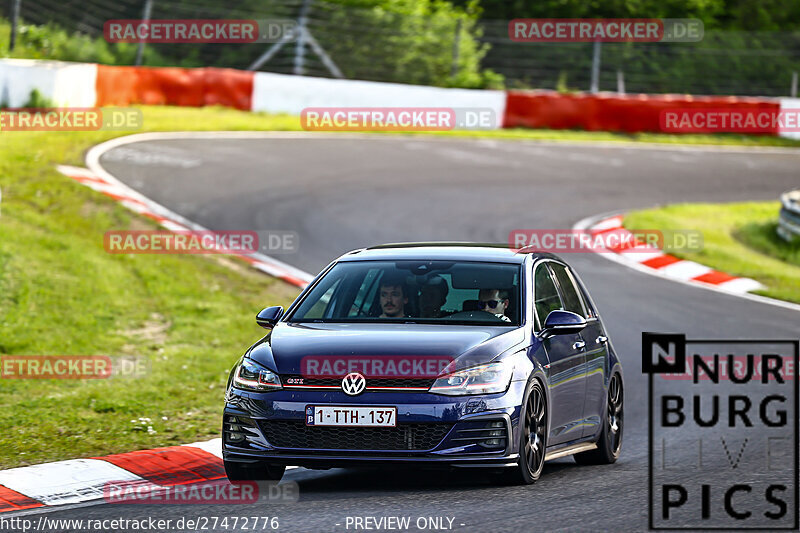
[(533, 443), (253, 471), (609, 444)]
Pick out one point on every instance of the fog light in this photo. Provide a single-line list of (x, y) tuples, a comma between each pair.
[(235, 437), (499, 432)]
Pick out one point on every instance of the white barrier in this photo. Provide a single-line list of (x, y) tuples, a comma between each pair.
[(64, 84), (282, 93), (790, 103)]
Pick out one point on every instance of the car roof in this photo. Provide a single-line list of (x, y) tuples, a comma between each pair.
[(448, 251)]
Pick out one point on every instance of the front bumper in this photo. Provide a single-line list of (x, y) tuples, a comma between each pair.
[(431, 429)]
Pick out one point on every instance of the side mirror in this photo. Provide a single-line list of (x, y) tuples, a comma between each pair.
[(269, 316), (562, 323)]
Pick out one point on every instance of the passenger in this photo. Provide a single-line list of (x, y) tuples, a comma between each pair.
[(494, 301), (393, 297), (432, 297)]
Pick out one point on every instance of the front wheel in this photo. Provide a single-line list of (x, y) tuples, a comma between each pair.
[(533, 443), (609, 445), (253, 471)]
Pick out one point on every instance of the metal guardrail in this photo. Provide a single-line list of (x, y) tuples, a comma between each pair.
[(789, 221)]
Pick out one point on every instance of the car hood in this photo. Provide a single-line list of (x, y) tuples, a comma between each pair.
[(287, 345)]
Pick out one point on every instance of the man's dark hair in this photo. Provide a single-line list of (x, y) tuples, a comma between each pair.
[(501, 293), (394, 280)]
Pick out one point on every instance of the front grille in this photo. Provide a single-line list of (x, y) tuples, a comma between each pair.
[(404, 437), (402, 383)]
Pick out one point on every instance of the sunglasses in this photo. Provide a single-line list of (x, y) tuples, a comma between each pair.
[(488, 303)]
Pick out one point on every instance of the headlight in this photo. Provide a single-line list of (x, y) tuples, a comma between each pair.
[(483, 379), (254, 377)]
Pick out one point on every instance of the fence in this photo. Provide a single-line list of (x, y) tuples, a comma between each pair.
[(444, 48)]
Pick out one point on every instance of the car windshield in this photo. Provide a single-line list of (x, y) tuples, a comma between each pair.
[(436, 292)]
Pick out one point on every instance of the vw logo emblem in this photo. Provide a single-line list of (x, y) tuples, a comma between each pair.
[(354, 384)]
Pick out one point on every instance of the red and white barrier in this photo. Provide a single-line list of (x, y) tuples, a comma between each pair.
[(64, 84), (88, 85), (282, 93), (191, 87), (617, 113)]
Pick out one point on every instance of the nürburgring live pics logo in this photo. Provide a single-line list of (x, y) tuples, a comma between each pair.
[(723, 433)]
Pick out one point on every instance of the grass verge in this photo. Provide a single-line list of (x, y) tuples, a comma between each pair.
[(738, 239), (61, 293), (189, 316)]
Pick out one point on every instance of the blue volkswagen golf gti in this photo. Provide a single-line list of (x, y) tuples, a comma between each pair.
[(457, 355)]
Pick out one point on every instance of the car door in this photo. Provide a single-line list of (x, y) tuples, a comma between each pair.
[(596, 350), (567, 363)]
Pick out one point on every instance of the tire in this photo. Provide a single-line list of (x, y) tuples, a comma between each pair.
[(533, 438), (609, 445), (237, 472)]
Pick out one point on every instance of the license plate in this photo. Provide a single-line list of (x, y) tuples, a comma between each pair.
[(344, 415)]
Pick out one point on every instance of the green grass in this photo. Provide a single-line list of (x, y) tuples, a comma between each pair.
[(189, 316), (727, 139), (739, 239)]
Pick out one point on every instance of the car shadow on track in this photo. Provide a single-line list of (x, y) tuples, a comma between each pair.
[(408, 478)]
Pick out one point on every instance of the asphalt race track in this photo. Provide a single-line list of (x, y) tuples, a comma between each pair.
[(343, 193)]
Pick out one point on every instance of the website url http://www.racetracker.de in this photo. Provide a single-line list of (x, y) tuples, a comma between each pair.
[(148, 524)]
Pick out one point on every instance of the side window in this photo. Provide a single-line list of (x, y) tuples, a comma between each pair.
[(572, 300), (323, 306), (545, 293), (366, 294)]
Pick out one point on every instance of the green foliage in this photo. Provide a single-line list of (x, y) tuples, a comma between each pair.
[(408, 41), (52, 42), (37, 101), (751, 15)]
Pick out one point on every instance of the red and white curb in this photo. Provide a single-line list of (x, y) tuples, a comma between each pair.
[(76, 481), (81, 480), (654, 260), (173, 222)]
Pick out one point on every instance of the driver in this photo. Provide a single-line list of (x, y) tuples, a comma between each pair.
[(494, 301), (393, 297)]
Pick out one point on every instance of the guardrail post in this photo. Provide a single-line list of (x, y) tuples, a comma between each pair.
[(300, 51), (456, 45), (14, 19), (595, 87), (148, 7)]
